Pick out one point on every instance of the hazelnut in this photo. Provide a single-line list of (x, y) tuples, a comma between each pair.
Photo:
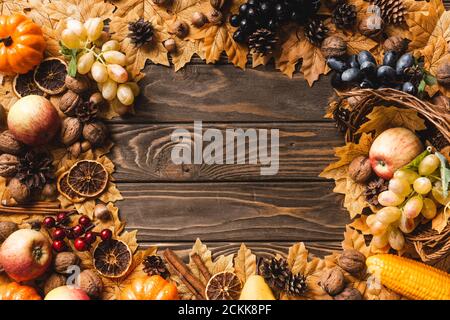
[(71, 129), (217, 4), (85, 146), (18, 190), (396, 43), (332, 281), (215, 17), (69, 102), (96, 99), (170, 45), (6, 228), (180, 29), (443, 73), (75, 149), (102, 212), (54, 281), (349, 294), (79, 84), (9, 144), (49, 190), (371, 26), (334, 46), (352, 261), (95, 132), (64, 260), (198, 19), (360, 169), (91, 283), (8, 165)]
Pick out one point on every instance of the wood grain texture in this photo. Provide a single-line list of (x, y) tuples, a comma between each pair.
[(225, 93), (167, 212), (143, 153)]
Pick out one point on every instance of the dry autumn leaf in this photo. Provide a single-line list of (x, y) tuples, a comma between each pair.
[(7, 96), (79, 9), (355, 240), (205, 254), (382, 118), (245, 263)]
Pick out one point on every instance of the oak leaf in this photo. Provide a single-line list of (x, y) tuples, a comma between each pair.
[(245, 263)]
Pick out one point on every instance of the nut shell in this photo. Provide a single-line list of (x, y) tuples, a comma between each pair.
[(371, 26), (9, 144), (6, 228), (180, 29), (396, 43), (19, 191), (75, 149), (69, 102), (95, 132), (360, 169), (64, 260), (215, 17), (91, 283), (334, 46), (170, 45), (349, 294), (8, 165), (352, 261), (443, 74), (332, 281), (71, 130), (79, 84), (55, 280), (102, 212), (198, 19)]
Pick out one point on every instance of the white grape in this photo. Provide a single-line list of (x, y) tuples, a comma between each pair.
[(78, 28), (135, 88), (428, 165), (110, 46), (125, 94), (381, 241), (429, 209), (390, 199), (413, 207), (422, 185), (85, 63), (70, 39), (438, 194), (396, 239), (94, 28), (400, 186), (109, 90), (406, 174), (388, 215), (99, 72), (378, 228), (406, 224), (115, 57), (117, 73)]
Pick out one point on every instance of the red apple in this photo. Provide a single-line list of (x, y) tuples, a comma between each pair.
[(67, 293), (33, 120), (25, 255), (393, 149)]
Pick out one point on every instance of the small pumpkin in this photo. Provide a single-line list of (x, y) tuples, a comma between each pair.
[(150, 288), (15, 291), (22, 44)]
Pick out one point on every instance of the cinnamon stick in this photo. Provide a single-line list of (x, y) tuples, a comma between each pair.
[(38, 204), (201, 266), (29, 210), (185, 274)]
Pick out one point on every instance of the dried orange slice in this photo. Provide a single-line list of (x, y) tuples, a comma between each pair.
[(50, 76), (66, 191), (88, 178), (112, 258), (24, 85), (223, 286)]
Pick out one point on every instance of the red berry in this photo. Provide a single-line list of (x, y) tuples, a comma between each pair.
[(90, 237), (80, 244), (78, 231), (84, 221), (70, 234), (58, 234), (49, 222), (61, 217), (106, 234), (59, 245)]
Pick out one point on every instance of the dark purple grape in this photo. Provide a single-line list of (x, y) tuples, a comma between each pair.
[(353, 61), (337, 65), (386, 74), (272, 24), (369, 68), (364, 56), (352, 75), (367, 84), (390, 58), (243, 9), (336, 81), (405, 61), (252, 13), (251, 3), (265, 8), (235, 20), (408, 87), (239, 36)]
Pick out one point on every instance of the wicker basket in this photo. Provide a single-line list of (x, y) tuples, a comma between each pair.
[(430, 245)]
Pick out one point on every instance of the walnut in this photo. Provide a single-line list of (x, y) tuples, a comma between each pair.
[(443, 74), (180, 29), (349, 294), (79, 84), (71, 129), (54, 281), (352, 261), (217, 4), (397, 44), (9, 144), (360, 169), (19, 191), (102, 212), (95, 132), (332, 281), (69, 102), (170, 45), (6, 228), (371, 26), (64, 260), (215, 17), (91, 283), (8, 165), (198, 19), (334, 46)]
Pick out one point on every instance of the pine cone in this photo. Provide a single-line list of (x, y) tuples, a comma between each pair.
[(35, 169), (342, 118), (87, 111), (276, 272), (392, 11), (296, 285), (344, 16), (141, 32), (154, 265), (373, 189), (262, 41), (316, 31)]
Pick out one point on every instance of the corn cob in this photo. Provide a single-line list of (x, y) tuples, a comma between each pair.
[(410, 278)]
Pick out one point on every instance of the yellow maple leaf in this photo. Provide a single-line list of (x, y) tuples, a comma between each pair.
[(355, 240), (79, 9), (382, 118)]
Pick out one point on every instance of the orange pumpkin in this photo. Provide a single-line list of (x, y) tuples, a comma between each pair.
[(15, 291), (150, 288), (22, 44)]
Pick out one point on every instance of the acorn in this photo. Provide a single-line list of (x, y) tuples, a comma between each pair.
[(215, 17), (179, 28), (198, 19), (170, 45), (102, 212)]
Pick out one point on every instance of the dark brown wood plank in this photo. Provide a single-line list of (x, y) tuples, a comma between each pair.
[(143, 153), (261, 249), (174, 212), (218, 93)]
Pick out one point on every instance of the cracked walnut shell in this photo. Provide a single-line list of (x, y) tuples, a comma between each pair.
[(71, 130)]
